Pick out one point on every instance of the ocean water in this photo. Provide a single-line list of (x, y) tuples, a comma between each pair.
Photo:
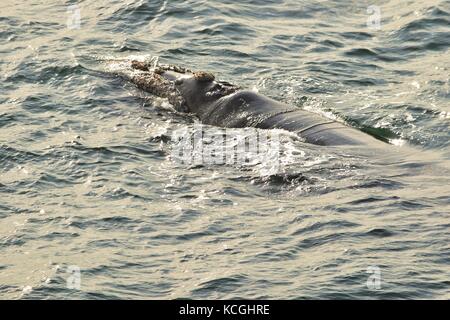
[(94, 203)]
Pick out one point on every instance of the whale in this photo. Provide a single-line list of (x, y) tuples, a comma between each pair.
[(220, 103)]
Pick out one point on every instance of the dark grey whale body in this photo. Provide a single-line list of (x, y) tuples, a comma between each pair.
[(225, 105), (249, 109)]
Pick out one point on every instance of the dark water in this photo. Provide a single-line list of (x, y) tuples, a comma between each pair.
[(87, 179)]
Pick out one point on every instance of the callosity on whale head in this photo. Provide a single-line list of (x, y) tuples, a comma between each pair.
[(188, 91)]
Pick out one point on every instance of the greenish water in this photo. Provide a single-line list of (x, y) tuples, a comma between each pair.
[(88, 179)]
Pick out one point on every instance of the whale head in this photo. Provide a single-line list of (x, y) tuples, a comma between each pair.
[(186, 90), (199, 89)]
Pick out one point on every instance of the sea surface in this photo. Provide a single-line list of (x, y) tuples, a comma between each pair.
[(94, 203)]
